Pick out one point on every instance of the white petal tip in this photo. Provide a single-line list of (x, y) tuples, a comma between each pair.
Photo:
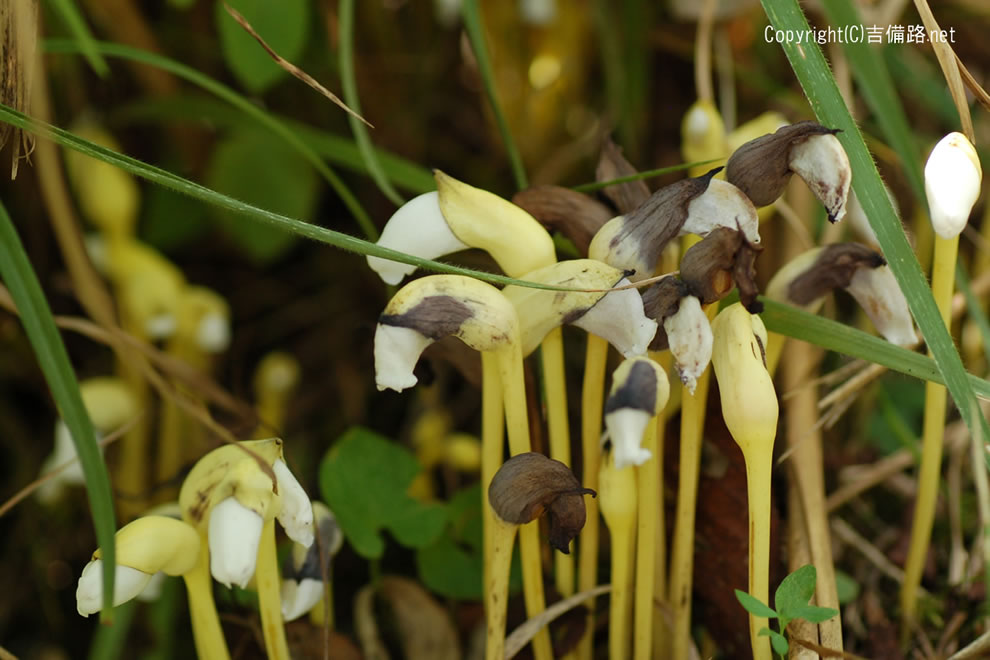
[(234, 535)]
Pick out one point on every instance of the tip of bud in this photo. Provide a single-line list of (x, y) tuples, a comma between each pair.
[(952, 182)]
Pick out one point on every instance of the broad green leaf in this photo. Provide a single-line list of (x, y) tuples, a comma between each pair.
[(284, 25), (754, 606), (795, 590), (812, 613), (777, 641), (819, 86), (258, 168), (451, 570), (17, 274), (846, 587), (364, 479), (170, 220)]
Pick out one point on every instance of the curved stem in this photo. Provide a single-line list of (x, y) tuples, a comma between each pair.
[(943, 271), (648, 518), (269, 598), (207, 633), (592, 400), (758, 467)]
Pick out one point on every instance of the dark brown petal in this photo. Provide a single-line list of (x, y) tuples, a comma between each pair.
[(660, 301), (760, 168), (833, 269), (707, 266), (434, 317), (613, 165), (638, 392), (575, 215), (659, 219), (529, 484)]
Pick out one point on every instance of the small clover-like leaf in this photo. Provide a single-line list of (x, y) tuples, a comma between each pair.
[(813, 614), (777, 640), (364, 479), (795, 590), (754, 606)]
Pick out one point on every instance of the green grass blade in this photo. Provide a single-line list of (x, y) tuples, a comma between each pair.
[(648, 174), (476, 35), (349, 90), (196, 191), (841, 338), (238, 101), (336, 149), (76, 24), (15, 268), (870, 70), (809, 66)]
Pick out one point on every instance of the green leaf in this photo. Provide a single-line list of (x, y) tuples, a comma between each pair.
[(795, 590), (475, 29), (349, 92), (450, 570), (812, 613), (819, 86), (754, 606), (248, 108), (283, 25), (846, 587), (364, 478), (777, 641), (17, 274), (844, 339), (74, 21), (286, 184)]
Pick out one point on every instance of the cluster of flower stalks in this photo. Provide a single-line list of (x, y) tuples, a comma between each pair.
[(223, 528), (663, 326)]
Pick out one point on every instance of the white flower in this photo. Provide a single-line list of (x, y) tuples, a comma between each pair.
[(952, 183), (234, 535)]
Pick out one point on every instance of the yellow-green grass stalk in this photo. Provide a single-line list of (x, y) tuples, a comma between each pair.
[(661, 627), (269, 598), (207, 632), (618, 492), (592, 400), (649, 543), (558, 431), (693, 409), (952, 181)]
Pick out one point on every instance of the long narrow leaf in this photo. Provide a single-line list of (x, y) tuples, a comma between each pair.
[(76, 24), (841, 338), (476, 35), (809, 66), (15, 268), (349, 90), (246, 106)]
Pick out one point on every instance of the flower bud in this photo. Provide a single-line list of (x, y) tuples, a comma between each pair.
[(952, 183), (749, 401), (234, 536), (529, 485)]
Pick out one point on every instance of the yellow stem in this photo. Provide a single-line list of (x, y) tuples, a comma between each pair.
[(269, 598), (693, 407), (322, 613), (661, 627), (207, 633), (492, 433), (497, 587), (592, 401), (648, 481), (134, 453), (623, 535), (943, 272), (758, 467), (517, 423), (555, 387)]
